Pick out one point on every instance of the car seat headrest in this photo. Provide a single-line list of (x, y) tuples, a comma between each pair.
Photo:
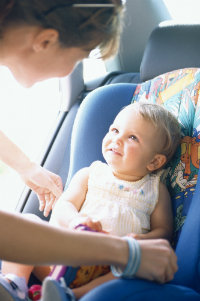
[(171, 46)]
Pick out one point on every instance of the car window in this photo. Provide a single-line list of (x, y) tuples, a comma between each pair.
[(93, 66), (26, 117), (184, 10)]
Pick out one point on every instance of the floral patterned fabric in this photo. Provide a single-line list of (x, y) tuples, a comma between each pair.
[(178, 91)]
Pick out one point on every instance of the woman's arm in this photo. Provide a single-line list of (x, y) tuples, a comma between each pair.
[(45, 184), (161, 218), (36, 243), (33, 242), (12, 155)]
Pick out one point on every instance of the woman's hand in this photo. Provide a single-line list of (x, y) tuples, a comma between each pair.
[(47, 186), (158, 261)]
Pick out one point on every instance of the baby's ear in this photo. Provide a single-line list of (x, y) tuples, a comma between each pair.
[(157, 162)]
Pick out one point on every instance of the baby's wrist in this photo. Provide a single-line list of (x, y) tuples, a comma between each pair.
[(79, 219)]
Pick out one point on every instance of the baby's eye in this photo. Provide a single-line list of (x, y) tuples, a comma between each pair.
[(114, 130), (133, 137)]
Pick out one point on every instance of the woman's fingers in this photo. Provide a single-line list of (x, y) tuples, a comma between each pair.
[(169, 275), (47, 185)]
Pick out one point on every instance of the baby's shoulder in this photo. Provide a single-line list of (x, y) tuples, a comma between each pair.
[(162, 187), (98, 165), (98, 171)]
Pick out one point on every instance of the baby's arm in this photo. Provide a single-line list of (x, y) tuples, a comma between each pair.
[(68, 205), (161, 218)]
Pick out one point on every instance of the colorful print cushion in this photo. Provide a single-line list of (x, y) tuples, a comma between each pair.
[(178, 91)]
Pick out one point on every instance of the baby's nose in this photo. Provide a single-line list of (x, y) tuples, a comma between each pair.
[(117, 139)]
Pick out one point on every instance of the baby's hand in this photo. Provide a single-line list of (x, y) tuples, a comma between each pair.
[(93, 225), (134, 235), (87, 221)]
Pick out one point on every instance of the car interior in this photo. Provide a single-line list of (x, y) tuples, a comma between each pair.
[(156, 53)]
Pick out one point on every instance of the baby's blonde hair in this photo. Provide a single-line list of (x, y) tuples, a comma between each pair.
[(169, 130)]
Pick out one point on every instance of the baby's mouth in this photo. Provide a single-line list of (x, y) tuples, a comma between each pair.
[(113, 150)]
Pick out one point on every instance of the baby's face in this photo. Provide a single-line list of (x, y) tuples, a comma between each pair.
[(130, 145)]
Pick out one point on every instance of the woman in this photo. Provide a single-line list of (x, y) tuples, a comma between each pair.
[(40, 39)]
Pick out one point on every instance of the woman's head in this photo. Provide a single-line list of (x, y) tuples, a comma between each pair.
[(141, 140), (82, 27), (40, 39)]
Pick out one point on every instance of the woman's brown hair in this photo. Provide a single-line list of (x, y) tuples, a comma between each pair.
[(83, 27)]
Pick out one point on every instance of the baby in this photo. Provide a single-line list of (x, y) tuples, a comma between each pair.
[(124, 196)]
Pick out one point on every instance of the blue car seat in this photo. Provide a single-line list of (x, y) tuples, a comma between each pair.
[(178, 91)]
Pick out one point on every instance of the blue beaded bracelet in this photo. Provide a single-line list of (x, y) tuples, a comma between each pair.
[(133, 260)]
